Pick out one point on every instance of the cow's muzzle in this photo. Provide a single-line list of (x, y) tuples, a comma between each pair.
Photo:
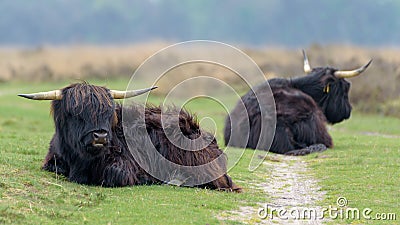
[(100, 138)]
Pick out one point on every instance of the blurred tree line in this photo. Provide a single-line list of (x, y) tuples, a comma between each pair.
[(254, 22)]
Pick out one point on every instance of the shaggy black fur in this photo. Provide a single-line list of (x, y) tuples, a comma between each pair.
[(85, 109), (303, 106)]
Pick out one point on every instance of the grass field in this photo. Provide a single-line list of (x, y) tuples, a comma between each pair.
[(363, 167)]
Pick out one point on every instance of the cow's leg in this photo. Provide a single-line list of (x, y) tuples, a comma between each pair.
[(310, 136), (123, 172), (224, 183), (284, 143), (307, 150), (283, 139), (53, 162), (56, 164), (115, 176)]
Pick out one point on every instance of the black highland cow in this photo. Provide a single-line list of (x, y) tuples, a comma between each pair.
[(303, 106), (89, 146)]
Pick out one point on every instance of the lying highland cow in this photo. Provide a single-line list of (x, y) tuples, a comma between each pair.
[(303, 105), (89, 146)]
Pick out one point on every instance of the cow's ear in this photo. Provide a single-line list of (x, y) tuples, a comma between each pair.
[(327, 88)]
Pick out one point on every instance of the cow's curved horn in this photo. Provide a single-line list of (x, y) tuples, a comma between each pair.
[(130, 94), (352, 73), (307, 67), (49, 95)]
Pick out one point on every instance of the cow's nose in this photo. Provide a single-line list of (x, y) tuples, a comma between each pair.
[(100, 137)]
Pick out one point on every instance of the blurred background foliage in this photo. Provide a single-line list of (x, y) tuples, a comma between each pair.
[(51, 40)]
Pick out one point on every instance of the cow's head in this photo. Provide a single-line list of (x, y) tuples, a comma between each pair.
[(329, 88), (84, 115)]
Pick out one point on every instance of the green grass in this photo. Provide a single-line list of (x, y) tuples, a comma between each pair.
[(363, 167)]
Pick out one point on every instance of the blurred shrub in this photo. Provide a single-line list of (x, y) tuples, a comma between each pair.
[(376, 91)]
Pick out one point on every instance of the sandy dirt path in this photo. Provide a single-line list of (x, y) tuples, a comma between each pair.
[(290, 186)]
